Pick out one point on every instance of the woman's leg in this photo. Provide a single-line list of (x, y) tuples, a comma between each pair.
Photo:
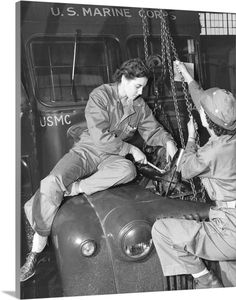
[(182, 244), (112, 171), (42, 207)]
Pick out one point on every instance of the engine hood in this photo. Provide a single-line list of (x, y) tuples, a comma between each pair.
[(133, 197)]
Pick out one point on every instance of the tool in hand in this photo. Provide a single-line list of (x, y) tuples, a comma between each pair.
[(177, 167), (153, 166)]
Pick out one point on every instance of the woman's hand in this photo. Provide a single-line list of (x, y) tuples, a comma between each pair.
[(171, 149), (180, 66), (138, 155)]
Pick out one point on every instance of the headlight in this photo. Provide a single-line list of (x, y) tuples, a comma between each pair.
[(88, 248), (136, 240)]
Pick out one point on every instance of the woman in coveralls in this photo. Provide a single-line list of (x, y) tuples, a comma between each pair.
[(113, 113), (182, 244)]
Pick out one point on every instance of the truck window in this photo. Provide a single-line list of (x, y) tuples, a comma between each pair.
[(65, 70)]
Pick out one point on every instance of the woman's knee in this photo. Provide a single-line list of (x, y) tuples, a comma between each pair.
[(52, 183), (128, 169), (160, 228)]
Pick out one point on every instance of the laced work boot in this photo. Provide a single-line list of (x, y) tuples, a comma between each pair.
[(28, 269), (207, 281)]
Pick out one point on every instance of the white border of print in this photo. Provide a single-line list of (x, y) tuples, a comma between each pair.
[(7, 125)]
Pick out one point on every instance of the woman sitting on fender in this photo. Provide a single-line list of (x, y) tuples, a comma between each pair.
[(113, 113)]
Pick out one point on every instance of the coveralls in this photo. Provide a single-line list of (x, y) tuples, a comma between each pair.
[(181, 243), (97, 160)]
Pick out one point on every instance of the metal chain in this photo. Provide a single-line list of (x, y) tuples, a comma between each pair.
[(189, 109), (145, 32), (168, 56), (145, 43), (156, 92), (163, 75), (175, 55), (163, 47), (158, 109), (169, 46)]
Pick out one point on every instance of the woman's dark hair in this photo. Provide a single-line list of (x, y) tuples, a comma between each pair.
[(218, 130), (132, 68)]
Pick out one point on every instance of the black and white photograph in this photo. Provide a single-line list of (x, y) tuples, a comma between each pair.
[(125, 149)]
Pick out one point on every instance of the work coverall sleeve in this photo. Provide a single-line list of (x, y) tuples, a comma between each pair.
[(151, 130), (194, 161), (196, 93), (97, 118)]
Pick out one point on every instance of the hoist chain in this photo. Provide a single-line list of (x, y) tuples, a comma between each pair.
[(189, 109), (145, 32), (167, 56), (147, 58), (168, 46), (163, 48), (175, 55)]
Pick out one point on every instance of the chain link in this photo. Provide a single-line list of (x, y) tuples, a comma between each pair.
[(167, 55), (145, 32), (167, 46), (163, 47), (157, 107)]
